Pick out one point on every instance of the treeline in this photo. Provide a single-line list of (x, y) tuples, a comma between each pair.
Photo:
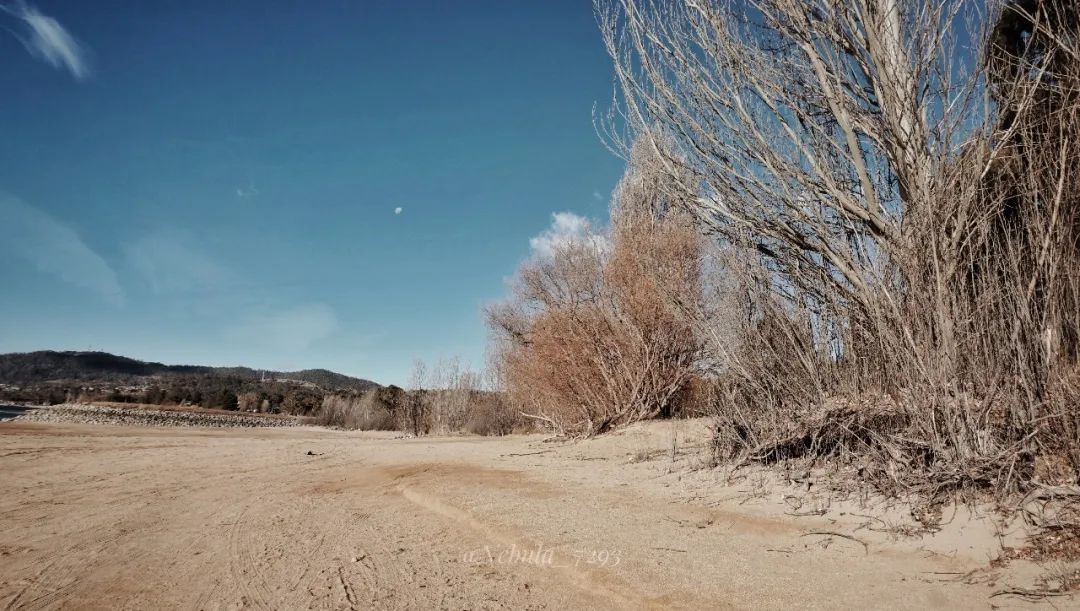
[(48, 366), (207, 391), (850, 230), (232, 393), (49, 377), (446, 398)]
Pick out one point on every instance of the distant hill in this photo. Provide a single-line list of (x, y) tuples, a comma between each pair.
[(51, 366)]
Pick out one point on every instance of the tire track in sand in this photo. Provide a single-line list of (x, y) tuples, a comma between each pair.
[(587, 579)]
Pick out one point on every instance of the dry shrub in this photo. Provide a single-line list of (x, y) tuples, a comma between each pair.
[(372, 410), (449, 406), (596, 334), (248, 402), (449, 398), (489, 414)]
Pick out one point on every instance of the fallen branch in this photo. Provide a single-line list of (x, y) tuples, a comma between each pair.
[(832, 533), (803, 514), (1032, 594), (527, 453)]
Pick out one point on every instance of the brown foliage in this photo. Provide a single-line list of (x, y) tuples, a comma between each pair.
[(597, 335)]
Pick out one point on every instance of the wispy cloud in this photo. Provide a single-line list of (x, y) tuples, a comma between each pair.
[(597, 196), (47, 40), (566, 228), (171, 262), (398, 210), (55, 248), (289, 330)]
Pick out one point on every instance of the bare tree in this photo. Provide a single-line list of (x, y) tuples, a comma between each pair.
[(454, 389), (814, 132), (894, 184), (414, 416)]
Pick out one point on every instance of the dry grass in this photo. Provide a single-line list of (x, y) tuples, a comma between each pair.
[(372, 410)]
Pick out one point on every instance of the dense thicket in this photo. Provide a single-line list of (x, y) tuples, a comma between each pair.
[(890, 191), (893, 187)]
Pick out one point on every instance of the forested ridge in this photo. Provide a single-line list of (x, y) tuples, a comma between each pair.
[(55, 377)]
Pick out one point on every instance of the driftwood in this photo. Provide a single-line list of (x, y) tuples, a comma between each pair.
[(1032, 594), (528, 453), (833, 533)]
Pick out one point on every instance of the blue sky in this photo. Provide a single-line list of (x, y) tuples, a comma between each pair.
[(338, 184)]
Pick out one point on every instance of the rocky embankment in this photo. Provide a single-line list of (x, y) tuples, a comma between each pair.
[(90, 414)]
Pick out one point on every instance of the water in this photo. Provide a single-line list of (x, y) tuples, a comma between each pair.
[(10, 411)]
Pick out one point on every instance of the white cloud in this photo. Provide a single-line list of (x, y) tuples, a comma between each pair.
[(290, 330), (566, 228), (597, 195), (55, 248), (245, 192), (47, 40), (398, 210), (170, 263)]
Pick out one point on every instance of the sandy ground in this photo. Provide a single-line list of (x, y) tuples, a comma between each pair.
[(122, 517)]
